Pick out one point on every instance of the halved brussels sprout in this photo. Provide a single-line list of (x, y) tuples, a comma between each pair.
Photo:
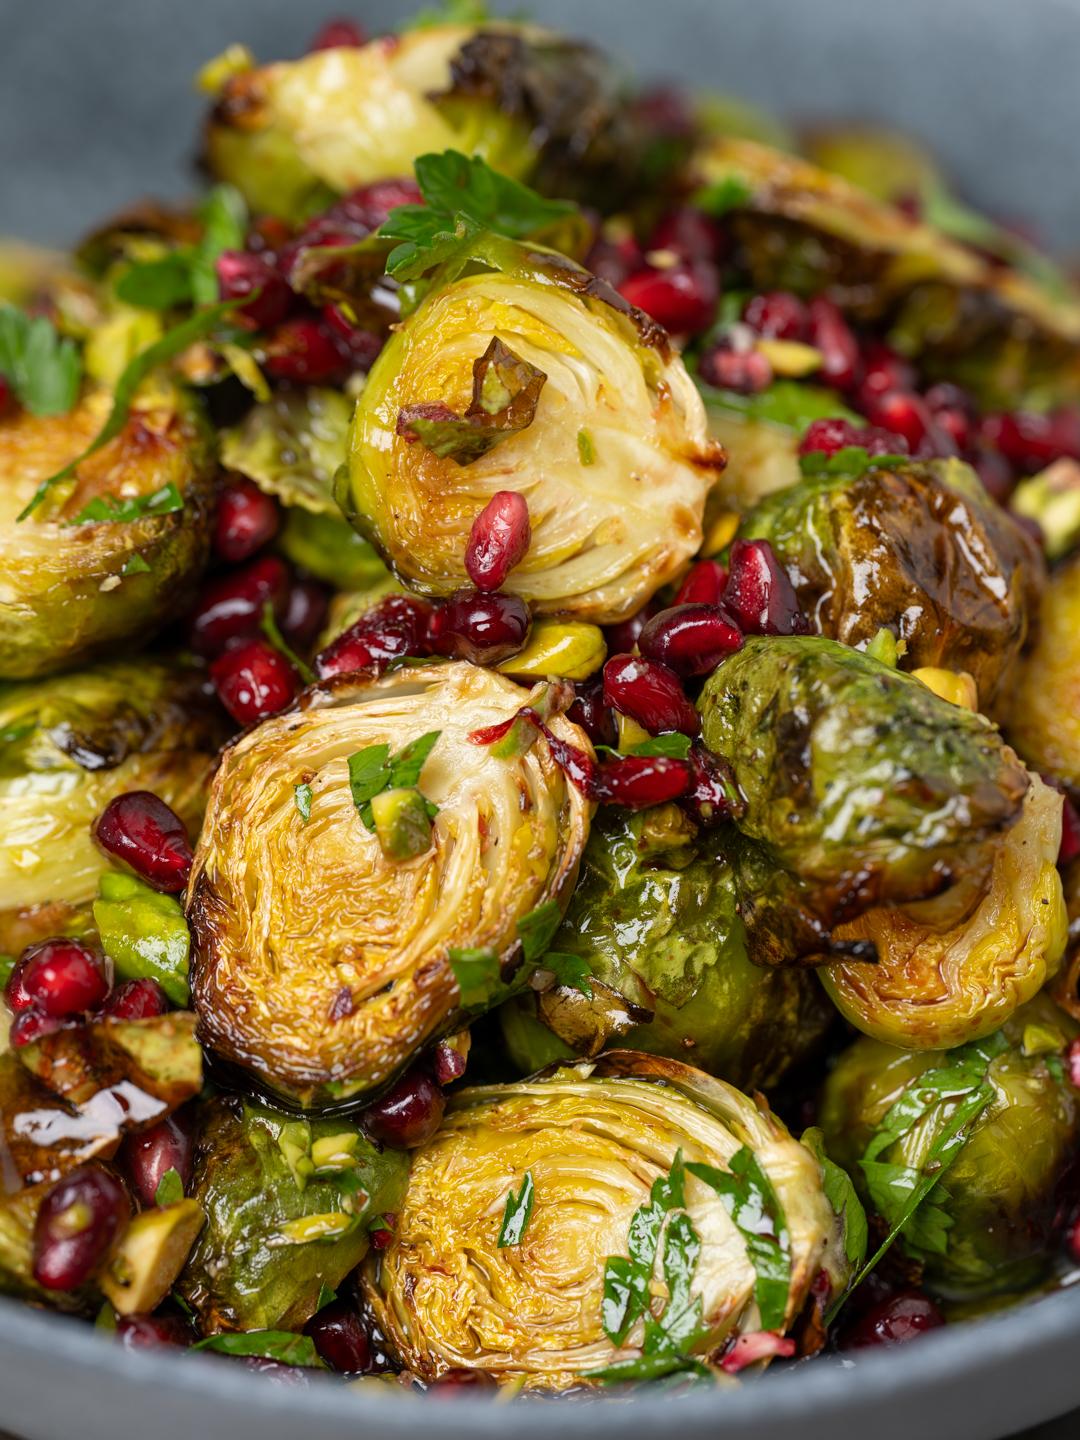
[(988, 1225), (68, 745), (655, 921), (473, 1281), (75, 581), (859, 781), (918, 548), (320, 963), (1042, 710), (935, 985), (289, 1206), (614, 458)]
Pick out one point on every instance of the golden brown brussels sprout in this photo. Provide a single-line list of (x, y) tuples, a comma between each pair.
[(997, 1120), (115, 552), (527, 1240), (613, 457), (940, 984), (321, 963), (1042, 711), (662, 950), (290, 1204), (917, 548), (68, 745)]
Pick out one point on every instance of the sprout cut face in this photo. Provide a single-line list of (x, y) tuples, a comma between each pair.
[(326, 953)]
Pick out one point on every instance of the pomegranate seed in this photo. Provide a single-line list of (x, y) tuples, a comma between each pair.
[(756, 1345), (690, 639), (15, 996), (338, 34), (649, 693), (482, 628), (304, 352), (690, 234), (1073, 1061), (580, 769), (305, 611), (759, 596), (30, 1026), (615, 260), (136, 1000), (745, 371), (409, 1115), (712, 786), (826, 437), (246, 521), (894, 1321), (703, 585), (253, 680), (77, 1223), (451, 1381), (1072, 1240), (902, 412), (62, 978), (449, 1062), (640, 781), (145, 1159), (371, 204), (590, 712), (954, 411), (232, 607), (995, 472), (883, 370), (341, 1337), (778, 315), (142, 831), (397, 626), (498, 540), (360, 347), (683, 298), (1070, 833), (877, 441), (147, 1332), (623, 636), (241, 273), (7, 397), (828, 332)]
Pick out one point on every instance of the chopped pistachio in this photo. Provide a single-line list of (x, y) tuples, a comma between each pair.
[(150, 1256)]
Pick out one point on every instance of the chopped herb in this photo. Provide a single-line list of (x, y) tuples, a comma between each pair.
[(43, 369), (159, 284), (792, 404), (851, 460), (627, 1278), (110, 510), (676, 746), (302, 797), (12, 734), (283, 1346), (883, 647), (479, 977), (170, 1190), (536, 930), (7, 965), (519, 1208), (373, 770), (406, 765), (840, 1193), (585, 448), (723, 195), (135, 565), (188, 275), (270, 629), (450, 12), (570, 970), (326, 1297)]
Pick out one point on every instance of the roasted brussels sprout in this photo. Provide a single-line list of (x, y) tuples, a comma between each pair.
[(655, 923), (1014, 1121), (289, 1207), (67, 746), (82, 575), (321, 963), (605, 436), (482, 1275), (1042, 710), (917, 548), (936, 985)]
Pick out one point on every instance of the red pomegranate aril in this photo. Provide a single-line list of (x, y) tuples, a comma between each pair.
[(682, 298), (341, 1337), (395, 627), (368, 206), (688, 233), (449, 1062), (241, 273), (884, 370), (77, 1224), (754, 1346), (759, 595), (877, 441), (902, 412), (7, 397), (777, 315), (253, 680), (148, 1157), (304, 352), (482, 628), (615, 260), (690, 639), (149, 837), (1072, 1240), (30, 1026), (136, 1000), (745, 371), (409, 1115), (902, 1317), (590, 712), (232, 607), (338, 34), (498, 540), (649, 693), (16, 997), (580, 769), (451, 1382), (1070, 833), (826, 437), (63, 978), (703, 586), (1072, 1060), (246, 521), (305, 612), (709, 795), (148, 1332), (623, 636), (359, 347), (383, 1237), (1031, 441), (638, 782), (828, 331), (278, 1371)]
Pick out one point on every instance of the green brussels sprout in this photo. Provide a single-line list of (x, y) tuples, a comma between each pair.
[(511, 1246), (380, 951), (655, 923), (918, 548), (1042, 710), (68, 745), (77, 581), (604, 434), (289, 1206), (988, 1224)]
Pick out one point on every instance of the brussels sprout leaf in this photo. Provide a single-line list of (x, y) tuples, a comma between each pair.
[(506, 392), (840, 1193), (43, 369), (302, 797), (519, 1208), (536, 930), (283, 1346), (170, 1190), (108, 509)]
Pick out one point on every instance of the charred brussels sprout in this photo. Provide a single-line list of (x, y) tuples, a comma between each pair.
[(289, 1205), (988, 1223), (68, 745), (113, 553), (940, 984), (520, 1209), (918, 548), (321, 963), (1042, 713), (596, 421), (654, 922)]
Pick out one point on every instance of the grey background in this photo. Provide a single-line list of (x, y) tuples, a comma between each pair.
[(97, 107)]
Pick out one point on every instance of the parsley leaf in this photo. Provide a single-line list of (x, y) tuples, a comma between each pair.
[(283, 1346), (627, 1277), (792, 404), (326, 1297), (851, 460), (536, 930), (271, 630), (373, 770), (7, 966), (519, 1208), (43, 369), (479, 977), (449, 12), (302, 797), (189, 275), (109, 509), (406, 765), (170, 1190), (135, 565), (570, 970), (674, 745), (840, 1193), (730, 193)]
